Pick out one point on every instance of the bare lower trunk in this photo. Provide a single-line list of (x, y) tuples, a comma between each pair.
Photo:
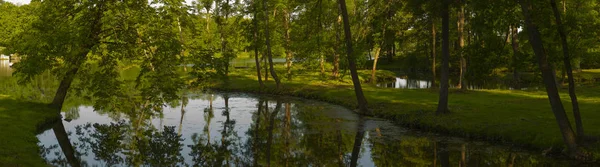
[(433, 42), (461, 44), (360, 97), (65, 144), (322, 63), (288, 52), (255, 34), (569, 70), (266, 67), (515, 58), (373, 77), (336, 65), (547, 75), (443, 99), (336, 54)]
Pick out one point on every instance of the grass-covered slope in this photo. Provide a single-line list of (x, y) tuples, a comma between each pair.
[(19, 123)]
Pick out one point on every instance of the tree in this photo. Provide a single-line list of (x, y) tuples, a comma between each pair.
[(255, 44), (59, 37), (548, 77), (567, 62), (443, 99), (461, 44), (268, 43), (360, 97)]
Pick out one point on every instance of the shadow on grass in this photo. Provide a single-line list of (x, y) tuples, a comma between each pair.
[(20, 122)]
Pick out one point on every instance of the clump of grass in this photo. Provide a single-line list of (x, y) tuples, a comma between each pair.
[(20, 121)]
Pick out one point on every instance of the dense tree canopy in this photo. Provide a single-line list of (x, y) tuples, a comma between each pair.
[(106, 48)]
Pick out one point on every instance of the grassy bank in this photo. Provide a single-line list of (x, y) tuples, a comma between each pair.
[(19, 123), (519, 117)]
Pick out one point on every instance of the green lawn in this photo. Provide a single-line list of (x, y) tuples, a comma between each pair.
[(19, 123), (518, 117)]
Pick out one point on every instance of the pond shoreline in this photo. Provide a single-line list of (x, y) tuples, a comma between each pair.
[(421, 119)]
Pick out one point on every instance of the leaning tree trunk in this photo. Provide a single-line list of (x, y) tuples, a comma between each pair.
[(360, 97), (443, 100), (268, 43), (567, 62), (461, 43), (255, 34), (65, 83), (548, 77), (373, 77)]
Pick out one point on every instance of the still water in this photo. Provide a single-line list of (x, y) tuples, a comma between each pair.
[(234, 129)]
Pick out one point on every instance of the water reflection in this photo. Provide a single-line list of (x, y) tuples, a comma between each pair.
[(242, 130)]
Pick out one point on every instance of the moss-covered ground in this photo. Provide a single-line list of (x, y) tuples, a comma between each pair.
[(19, 123), (517, 117)]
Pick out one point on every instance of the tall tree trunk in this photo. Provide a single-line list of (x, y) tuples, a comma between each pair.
[(268, 42), (255, 34), (266, 66), (433, 42), (461, 44), (443, 100), (373, 77), (288, 52), (360, 97), (322, 64), (515, 58), (569, 70), (548, 77), (336, 54), (65, 144)]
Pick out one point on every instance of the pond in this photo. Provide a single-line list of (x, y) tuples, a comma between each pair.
[(410, 83), (236, 129), (5, 69)]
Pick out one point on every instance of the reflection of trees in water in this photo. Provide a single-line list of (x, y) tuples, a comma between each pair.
[(425, 151), (225, 153), (116, 144)]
